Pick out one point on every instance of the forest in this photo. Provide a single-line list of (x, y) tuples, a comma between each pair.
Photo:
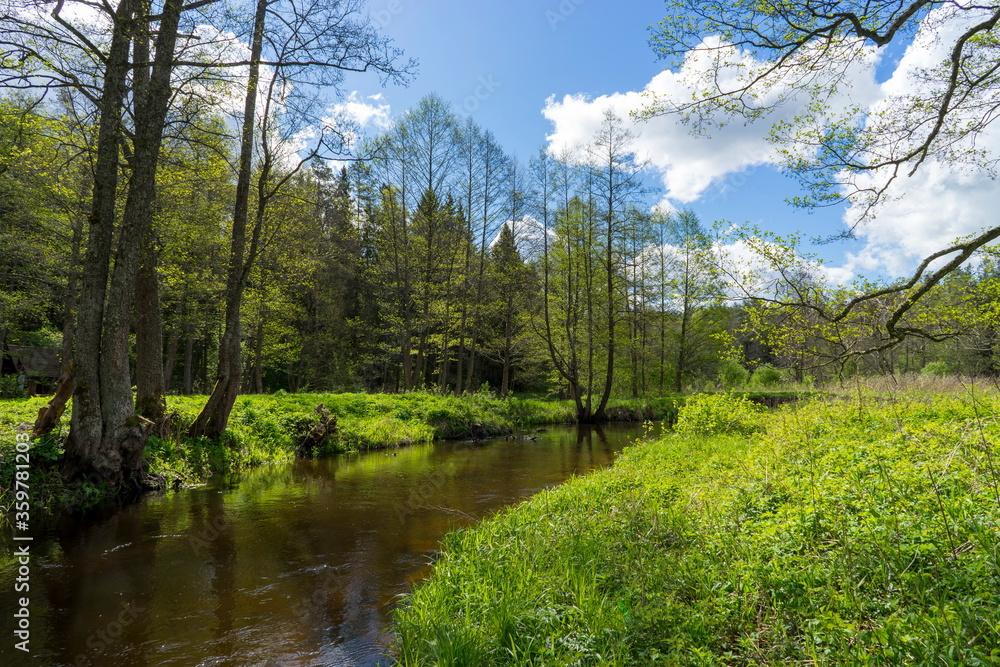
[(432, 259), (258, 351)]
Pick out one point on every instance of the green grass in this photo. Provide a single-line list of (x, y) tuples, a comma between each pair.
[(848, 532)]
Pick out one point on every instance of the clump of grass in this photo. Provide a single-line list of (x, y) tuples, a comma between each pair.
[(384, 432), (841, 535), (714, 414)]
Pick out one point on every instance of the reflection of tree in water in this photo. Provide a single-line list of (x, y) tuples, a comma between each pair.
[(585, 436), (338, 587), (222, 558), (94, 547)]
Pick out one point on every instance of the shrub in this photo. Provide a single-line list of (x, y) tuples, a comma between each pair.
[(10, 388), (766, 376), (732, 375), (719, 414)]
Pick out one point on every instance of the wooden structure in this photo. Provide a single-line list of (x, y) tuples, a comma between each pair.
[(40, 366), (37, 362)]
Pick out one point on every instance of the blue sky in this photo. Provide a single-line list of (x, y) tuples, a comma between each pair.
[(539, 73), (529, 49)]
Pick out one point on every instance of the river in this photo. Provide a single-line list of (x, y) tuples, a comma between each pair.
[(299, 564)]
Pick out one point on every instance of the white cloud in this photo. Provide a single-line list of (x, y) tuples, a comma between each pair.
[(688, 164), (922, 214), (356, 114), (367, 111), (943, 200), (529, 235)]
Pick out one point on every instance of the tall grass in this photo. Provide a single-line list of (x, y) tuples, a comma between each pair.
[(850, 532)]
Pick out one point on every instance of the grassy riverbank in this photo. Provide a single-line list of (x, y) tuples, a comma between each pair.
[(267, 429), (844, 532)]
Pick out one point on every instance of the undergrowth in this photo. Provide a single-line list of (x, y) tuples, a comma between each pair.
[(850, 532)]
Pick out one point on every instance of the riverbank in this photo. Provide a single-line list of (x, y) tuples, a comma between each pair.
[(836, 532), (267, 429)]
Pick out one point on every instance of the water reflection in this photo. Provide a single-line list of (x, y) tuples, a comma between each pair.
[(290, 565)]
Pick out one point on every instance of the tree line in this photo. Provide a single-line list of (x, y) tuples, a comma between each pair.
[(435, 260), (181, 214)]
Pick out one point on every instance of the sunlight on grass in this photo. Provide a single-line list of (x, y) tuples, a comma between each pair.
[(852, 531)]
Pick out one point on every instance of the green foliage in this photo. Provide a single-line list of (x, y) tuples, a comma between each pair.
[(936, 369), (9, 387), (720, 414), (41, 210), (766, 376), (732, 374), (827, 540), (47, 490)]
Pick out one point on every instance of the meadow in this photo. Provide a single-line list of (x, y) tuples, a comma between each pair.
[(852, 530)]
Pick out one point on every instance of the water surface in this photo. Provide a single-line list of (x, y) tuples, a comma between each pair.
[(289, 565)]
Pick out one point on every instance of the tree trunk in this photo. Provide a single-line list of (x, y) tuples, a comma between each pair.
[(460, 361), (258, 358), (175, 337), (505, 379), (125, 435), (214, 417), (472, 364), (106, 437), (682, 346), (188, 380), (148, 320), (149, 374), (82, 451), (72, 280), (407, 360)]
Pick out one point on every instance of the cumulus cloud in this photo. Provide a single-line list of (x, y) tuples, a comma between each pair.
[(688, 164), (356, 114), (943, 200), (529, 236), (923, 213), (365, 111)]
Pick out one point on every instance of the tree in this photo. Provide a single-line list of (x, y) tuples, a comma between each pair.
[(616, 189), (755, 56), (307, 45), (692, 290), (41, 220), (105, 438), (493, 166), (512, 290), (124, 437), (194, 200)]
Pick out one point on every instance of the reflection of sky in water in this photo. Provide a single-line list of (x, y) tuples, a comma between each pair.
[(287, 565)]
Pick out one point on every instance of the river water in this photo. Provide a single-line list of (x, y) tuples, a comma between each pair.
[(298, 564)]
